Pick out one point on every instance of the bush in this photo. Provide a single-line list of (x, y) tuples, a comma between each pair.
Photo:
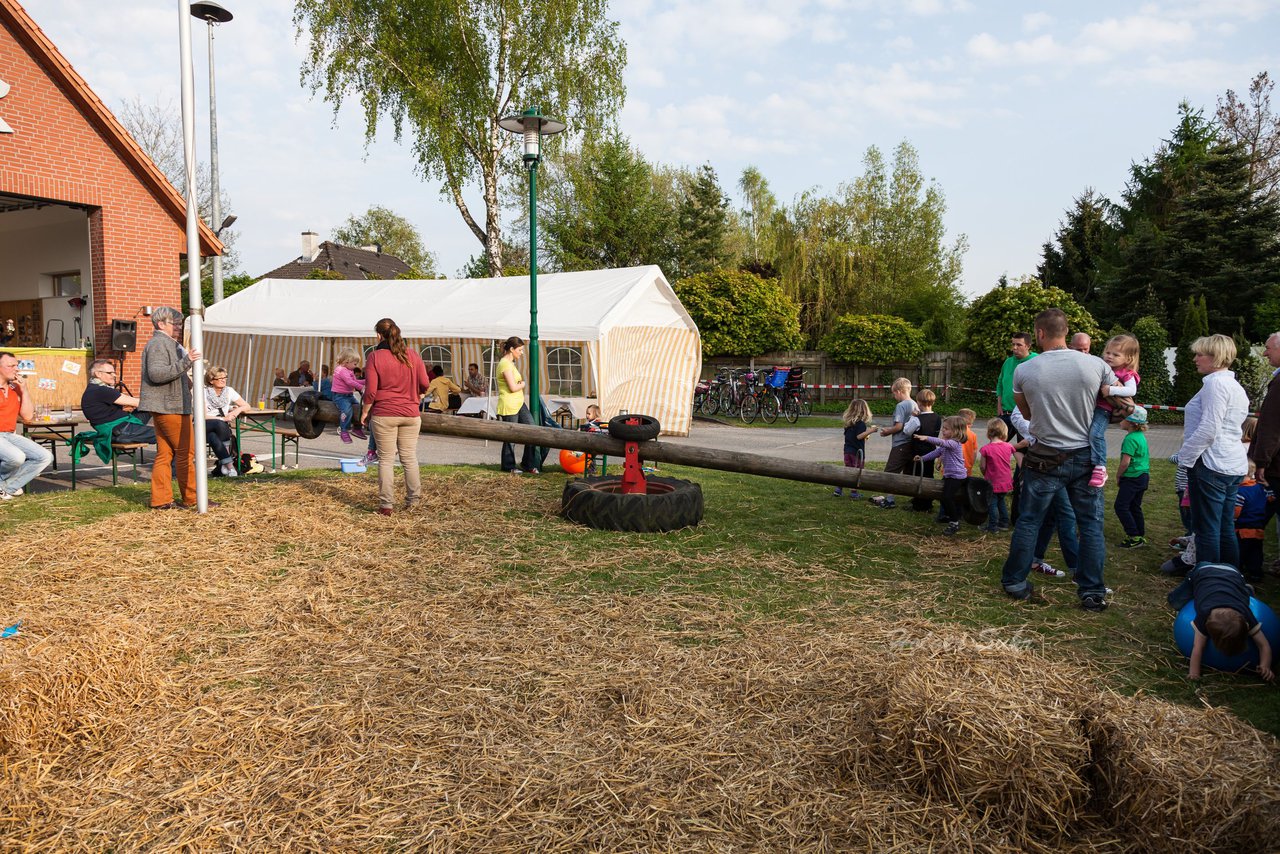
[(999, 313), (739, 313), (1153, 339), (872, 339)]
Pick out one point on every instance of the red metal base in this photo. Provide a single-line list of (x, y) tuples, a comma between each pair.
[(632, 472)]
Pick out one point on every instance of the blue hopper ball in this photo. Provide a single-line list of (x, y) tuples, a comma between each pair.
[(1184, 636)]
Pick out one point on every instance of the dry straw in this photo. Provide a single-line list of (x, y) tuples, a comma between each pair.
[(318, 677)]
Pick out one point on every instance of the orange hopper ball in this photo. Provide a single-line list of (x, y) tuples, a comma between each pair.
[(573, 462)]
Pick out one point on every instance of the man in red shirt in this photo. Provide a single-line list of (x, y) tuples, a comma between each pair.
[(20, 458)]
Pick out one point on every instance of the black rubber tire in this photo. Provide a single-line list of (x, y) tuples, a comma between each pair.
[(750, 408), (977, 489), (647, 428), (728, 406), (791, 408), (598, 502), (711, 403), (304, 412), (769, 407), (806, 403)]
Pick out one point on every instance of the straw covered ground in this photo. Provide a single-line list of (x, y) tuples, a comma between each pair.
[(316, 677)]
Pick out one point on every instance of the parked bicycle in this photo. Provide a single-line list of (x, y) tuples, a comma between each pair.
[(795, 396)]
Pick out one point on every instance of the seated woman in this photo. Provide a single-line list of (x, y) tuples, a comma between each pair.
[(222, 406)]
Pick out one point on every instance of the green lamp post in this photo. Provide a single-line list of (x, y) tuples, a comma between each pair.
[(533, 125)]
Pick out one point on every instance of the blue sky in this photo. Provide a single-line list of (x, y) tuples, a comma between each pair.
[(1014, 107)]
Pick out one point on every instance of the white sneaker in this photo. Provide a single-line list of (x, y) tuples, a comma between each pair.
[(16, 492), (1045, 569), (4, 496), (229, 470)]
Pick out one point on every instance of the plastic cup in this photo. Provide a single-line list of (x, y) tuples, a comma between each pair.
[(262, 404)]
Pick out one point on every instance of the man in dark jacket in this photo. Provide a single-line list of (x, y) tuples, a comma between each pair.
[(1264, 450)]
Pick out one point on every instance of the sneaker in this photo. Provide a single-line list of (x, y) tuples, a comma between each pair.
[(1045, 569), (229, 470), (1099, 477), (1026, 594), (879, 500), (359, 434), (4, 496), (837, 493), (371, 458), (16, 492), (1093, 602), (1133, 542), (1179, 544), (854, 495), (345, 436), (535, 471), (952, 529), (1002, 526), (385, 511), (514, 471)]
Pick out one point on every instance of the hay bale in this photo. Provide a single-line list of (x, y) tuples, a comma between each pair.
[(1176, 779), (990, 729)]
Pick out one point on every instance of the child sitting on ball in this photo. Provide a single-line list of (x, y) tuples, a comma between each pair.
[(1223, 615)]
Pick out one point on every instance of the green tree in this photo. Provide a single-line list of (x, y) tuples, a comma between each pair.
[(739, 314), (1074, 259), (395, 234), (1195, 324), (1002, 311), (873, 339), (1153, 340), (448, 72), (703, 223), (603, 208)]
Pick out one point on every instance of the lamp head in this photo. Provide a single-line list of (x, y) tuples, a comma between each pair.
[(533, 126), (207, 10)]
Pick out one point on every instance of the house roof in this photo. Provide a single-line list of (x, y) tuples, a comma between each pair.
[(39, 46), (351, 261)]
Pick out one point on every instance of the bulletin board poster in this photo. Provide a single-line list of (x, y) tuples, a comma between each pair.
[(55, 377)]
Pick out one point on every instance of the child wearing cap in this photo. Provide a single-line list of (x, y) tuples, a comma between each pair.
[(1134, 477)]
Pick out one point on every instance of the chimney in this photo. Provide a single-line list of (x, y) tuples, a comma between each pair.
[(310, 245), (375, 248)]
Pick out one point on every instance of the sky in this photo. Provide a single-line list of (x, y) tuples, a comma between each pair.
[(1015, 108)]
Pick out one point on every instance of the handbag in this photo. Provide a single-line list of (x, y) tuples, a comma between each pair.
[(1041, 459)]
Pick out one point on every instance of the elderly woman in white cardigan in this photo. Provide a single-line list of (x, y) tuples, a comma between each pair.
[(1212, 451)]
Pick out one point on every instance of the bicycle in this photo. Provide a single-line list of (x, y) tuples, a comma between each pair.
[(795, 401)]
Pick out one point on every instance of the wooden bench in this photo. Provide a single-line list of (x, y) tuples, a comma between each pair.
[(289, 436), (49, 440), (133, 450)]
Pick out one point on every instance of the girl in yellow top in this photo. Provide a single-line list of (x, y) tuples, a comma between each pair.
[(512, 408)]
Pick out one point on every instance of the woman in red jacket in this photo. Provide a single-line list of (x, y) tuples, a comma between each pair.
[(395, 380)]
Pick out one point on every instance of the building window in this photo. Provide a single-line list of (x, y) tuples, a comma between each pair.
[(564, 371), (66, 284), (435, 354)]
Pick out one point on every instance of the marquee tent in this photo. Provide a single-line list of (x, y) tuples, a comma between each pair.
[(619, 336)]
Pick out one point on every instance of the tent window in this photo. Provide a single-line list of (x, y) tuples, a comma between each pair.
[(436, 354), (564, 371)]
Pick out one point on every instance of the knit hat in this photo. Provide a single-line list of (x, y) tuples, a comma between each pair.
[(1138, 416)]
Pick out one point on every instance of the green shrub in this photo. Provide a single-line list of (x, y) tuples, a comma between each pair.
[(1252, 371), (997, 314), (740, 314), (872, 339), (1153, 339)]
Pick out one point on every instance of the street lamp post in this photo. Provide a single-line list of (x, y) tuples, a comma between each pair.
[(533, 125), (213, 13)]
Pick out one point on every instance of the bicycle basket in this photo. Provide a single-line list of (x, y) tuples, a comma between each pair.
[(778, 378)]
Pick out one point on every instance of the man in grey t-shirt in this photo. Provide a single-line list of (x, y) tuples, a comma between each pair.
[(1057, 392)]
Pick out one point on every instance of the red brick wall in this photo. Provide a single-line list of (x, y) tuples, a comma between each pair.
[(56, 153)]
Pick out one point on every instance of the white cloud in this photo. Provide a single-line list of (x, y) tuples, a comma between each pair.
[(1036, 21), (1096, 42), (901, 44), (1135, 33)]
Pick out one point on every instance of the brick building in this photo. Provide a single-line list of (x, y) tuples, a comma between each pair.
[(83, 210)]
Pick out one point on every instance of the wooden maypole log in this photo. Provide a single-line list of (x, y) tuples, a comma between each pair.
[(686, 455)]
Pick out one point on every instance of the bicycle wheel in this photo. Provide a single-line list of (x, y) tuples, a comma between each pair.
[(791, 408), (750, 408), (769, 407), (728, 405), (806, 405), (711, 401)]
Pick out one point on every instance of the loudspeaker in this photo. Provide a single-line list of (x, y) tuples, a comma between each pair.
[(124, 335)]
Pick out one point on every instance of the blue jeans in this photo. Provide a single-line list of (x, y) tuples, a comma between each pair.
[(20, 461), (1071, 480), (144, 432), (1062, 519), (1098, 436), (528, 459), (997, 510), (1213, 514), (346, 403)]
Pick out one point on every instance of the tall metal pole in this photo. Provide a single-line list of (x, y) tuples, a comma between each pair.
[(196, 324), (535, 405), (216, 203)]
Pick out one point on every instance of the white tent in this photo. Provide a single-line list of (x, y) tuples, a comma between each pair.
[(620, 336)]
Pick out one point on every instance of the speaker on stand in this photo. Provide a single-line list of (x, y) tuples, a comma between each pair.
[(124, 339)]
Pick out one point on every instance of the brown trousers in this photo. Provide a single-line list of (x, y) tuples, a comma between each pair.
[(173, 441)]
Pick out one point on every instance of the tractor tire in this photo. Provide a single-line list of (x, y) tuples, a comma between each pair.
[(634, 428), (599, 502), (304, 412)]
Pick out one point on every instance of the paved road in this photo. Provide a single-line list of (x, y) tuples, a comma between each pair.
[(807, 444)]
